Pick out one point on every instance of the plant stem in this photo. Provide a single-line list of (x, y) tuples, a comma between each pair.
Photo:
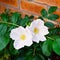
[(50, 38), (9, 23), (34, 51)]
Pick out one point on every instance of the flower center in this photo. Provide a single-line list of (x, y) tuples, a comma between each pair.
[(36, 30), (23, 37)]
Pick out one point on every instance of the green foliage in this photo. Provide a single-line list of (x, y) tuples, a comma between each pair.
[(12, 50), (44, 13), (4, 17), (24, 21), (3, 42), (54, 31), (15, 17), (53, 17), (3, 29), (52, 9), (56, 44), (47, 47), (36, 51), (49, 24), (50, 13)]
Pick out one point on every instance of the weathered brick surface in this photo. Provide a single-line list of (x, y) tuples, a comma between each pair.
[(49, 2), (10, 2), (31, 6), (57, 12), (2, 8)]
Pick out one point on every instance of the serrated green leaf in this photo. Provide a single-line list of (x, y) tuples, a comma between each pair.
[(3, 29), (49, 24), (44, 13), (52, 9), (24, 21), (15, 17), (53, 17), (47, 47), (3, 42), (4, 17)]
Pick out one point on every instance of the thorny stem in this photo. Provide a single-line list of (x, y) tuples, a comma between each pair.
[(9, 23)]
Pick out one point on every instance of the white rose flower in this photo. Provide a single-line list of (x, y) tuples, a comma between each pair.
[(22, 37), (38, 30)]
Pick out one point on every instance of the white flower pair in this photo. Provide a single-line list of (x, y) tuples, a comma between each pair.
[(25, 36)]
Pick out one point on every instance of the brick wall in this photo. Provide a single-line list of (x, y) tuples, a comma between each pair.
[(30, 7)]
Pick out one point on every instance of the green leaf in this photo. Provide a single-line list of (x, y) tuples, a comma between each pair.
[(49, 24), (19, 58), (30, 56), (3, 29), (56, 48), (15, 17), (11, 27), (54, 31), (40, 17), (13, 51), (31, 17), (53, 17), (52, 9), (47, 47), (56, 44), (24, 21), (3, 42), (4, 17), (44, 13)]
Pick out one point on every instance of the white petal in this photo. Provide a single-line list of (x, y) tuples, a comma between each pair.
[(18, 44), (14, 34), (44, 30), (35, 39), (28, 41), (41, 37), (39, 22)]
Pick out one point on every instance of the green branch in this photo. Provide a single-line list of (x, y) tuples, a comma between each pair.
[(50, 38), (3, 22)]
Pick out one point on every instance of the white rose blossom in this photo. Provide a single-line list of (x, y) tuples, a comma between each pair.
[(21, 36), (39, 30)]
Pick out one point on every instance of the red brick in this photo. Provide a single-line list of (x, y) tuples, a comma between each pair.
[(50, 2), (57, 12), (57, 2), (31, 6), (2, 9), (10, 2)]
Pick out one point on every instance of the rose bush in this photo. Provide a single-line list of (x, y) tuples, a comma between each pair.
[(29, 39)]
